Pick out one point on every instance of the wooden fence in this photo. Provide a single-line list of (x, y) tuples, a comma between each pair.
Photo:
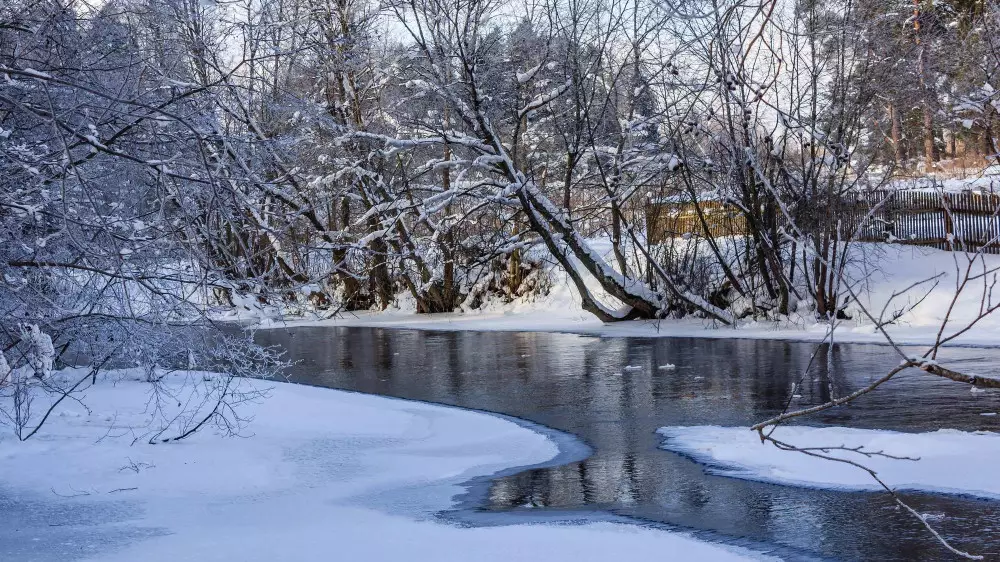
[(673, 219), (966, 221)]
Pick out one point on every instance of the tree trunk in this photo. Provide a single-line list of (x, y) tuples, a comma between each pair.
[(616, 238), (350, 284), (928, 136), (926, 90), (447, 242), (379, 281), (567, 184), (897, 138), (989, 147)]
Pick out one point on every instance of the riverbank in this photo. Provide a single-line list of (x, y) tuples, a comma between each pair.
[(318, 473), (888, 281)]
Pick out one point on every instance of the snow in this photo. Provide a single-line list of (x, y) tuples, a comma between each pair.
[(32, 72), (947, 458), (4, 368), (39, 354), (523, 77), (893, 268), (321, 474), (982, 180)]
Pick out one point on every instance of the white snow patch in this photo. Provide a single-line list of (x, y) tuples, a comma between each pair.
[(321, 475), (39, 354), (947, 458)]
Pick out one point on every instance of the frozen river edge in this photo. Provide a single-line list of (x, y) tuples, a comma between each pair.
[(320, 472)]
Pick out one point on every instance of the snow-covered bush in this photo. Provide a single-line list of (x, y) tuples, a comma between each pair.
[(37, 350), (5, 370)]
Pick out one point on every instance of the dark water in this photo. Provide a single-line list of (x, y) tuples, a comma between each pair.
[(577, 384)]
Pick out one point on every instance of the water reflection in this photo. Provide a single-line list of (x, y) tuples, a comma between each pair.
[(612, 393)]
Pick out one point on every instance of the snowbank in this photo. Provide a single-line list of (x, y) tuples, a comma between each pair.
[(950, 461), (886, 270), (321, 475), (976, 180)]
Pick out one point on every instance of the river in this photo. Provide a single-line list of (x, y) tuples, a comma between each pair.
[(580, 385)]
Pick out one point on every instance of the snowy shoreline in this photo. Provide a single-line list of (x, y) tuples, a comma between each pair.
[(735, 452), (487, 322), (560, 311), (320, 472)]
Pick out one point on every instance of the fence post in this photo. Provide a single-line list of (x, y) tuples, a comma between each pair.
[(891, 215), (949, 228)]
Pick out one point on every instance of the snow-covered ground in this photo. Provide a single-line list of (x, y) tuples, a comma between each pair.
[(950, 461), (976, 180), (887, 270), (320, 475)]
